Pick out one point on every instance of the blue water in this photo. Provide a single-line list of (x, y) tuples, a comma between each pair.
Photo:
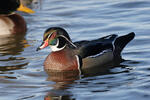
[(21, 68)]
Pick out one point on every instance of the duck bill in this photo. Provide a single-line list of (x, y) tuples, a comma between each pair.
[(25, 9), (43, 45)]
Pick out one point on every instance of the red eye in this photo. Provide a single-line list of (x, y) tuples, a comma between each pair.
[(53, 35)]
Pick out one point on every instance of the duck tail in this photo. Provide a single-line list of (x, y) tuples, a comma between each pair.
[(122, 41)]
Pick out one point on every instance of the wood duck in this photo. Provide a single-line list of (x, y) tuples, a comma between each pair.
[(81, 55), (11, 22)]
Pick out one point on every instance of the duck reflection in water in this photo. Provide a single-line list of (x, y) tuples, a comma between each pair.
[(63, 81), (66, 80), (11, 47)]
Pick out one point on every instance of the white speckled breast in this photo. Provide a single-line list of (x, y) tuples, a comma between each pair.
[(6, 25)]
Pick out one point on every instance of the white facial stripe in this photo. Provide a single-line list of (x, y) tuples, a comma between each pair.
[(51, 34), (69, 41), (54, 47)]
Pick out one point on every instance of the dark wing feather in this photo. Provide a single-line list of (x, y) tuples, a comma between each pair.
[(89, 48)]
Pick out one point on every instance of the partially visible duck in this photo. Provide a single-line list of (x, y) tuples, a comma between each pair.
[(11, 22), (77, 56), (29, 2)]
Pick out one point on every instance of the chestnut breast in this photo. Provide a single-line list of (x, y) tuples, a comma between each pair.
[(61, 61)]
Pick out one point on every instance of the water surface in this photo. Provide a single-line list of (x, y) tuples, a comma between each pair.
[(21, 68)]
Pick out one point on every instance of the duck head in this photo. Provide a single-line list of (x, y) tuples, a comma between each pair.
[(9, 6), (57, 38)]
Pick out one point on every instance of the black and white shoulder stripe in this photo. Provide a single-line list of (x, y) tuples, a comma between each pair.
[(79, 61)]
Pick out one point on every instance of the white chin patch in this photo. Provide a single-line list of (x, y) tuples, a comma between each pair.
[(54, 48)]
